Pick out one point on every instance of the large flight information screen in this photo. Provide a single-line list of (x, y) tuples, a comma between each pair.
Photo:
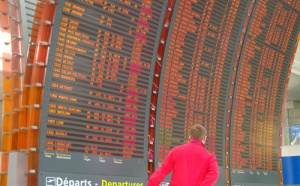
[(258, 96), (196, 74), (96, 96)]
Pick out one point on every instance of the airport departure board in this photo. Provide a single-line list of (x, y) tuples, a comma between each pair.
[(264, 63), (96, 97), (224, 65), (196, 73)]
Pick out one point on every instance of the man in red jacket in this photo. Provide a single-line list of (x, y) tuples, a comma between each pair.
[(191, 164)]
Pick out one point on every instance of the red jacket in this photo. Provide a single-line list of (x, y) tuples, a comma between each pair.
[(192, 165)]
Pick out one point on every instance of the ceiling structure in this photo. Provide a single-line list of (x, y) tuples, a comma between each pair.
[(293, 93)]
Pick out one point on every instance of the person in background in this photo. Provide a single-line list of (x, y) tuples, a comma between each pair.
[(191, 164), (296, 141)]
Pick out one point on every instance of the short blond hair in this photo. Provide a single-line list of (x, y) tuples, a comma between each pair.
[(198, 132)]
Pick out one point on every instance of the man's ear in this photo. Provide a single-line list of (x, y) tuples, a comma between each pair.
[(204, 140)]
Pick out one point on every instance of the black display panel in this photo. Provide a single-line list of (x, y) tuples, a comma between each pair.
[(263, 66), (97, 89), (196, 72)]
